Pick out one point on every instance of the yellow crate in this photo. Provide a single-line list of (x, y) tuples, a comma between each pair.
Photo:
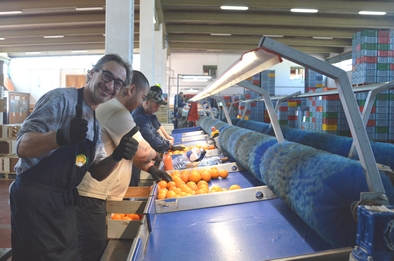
[(330, 127)]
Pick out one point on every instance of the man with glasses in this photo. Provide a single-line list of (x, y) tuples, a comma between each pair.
[(57, 144)]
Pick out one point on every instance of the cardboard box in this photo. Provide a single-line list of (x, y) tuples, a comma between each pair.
[(7, 147), (136, 204)]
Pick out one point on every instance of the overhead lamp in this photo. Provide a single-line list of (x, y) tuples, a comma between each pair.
[(10, 12), (214, 50), (303, 10), (196, 78), (93, 8), (218, 34), (2, 38), (32, 52), (371, 13), (323, 37), (53, 36), (230, 7), (250, 63), (274, 35), (79, 51)]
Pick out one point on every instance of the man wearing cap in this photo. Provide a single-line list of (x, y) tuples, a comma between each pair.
[(145, 118)]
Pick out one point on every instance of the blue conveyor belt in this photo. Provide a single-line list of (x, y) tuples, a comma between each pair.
[(251, 231)]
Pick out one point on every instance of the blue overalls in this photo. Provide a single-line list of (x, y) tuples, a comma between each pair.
[(43, 203)]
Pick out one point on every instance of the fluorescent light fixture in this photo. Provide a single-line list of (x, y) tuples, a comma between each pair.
[(2, 38), (53, 36), (323, 37), (10, 12), (79, 51), (301, 10), (371, 13), (250, 63), (273, 35), (154, 20), (195, 78), (32, 52), (230, 7), (217, 34), (93, 8), (214, 50)]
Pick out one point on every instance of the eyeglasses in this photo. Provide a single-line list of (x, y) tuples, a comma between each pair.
[(107, 76)]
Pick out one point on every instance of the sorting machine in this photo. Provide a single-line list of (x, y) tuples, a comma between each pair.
[(304, 196)]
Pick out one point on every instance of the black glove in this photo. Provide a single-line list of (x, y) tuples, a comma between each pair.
[(158, 174), (127, 147), (177, 147), (157, 160), (75, 132)]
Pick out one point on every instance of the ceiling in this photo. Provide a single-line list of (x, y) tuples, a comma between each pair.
[(187, 25)]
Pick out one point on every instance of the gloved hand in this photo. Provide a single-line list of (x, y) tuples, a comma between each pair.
[(157, 160), (177, 147), (75, 131), (127, 147), (158, 174)]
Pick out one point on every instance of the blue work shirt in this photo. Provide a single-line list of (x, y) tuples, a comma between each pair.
[(147, 124)]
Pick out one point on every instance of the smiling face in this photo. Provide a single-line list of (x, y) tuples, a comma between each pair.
[(97, 90)]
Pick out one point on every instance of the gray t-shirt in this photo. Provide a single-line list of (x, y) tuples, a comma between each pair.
[(53, 111)]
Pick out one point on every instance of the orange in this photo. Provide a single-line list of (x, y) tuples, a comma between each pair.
[(117, 216), (206, 175), (171, 184), (175, 173), (214, 172), (179, 183), (162, 184), (162, 195), (199, 191), (176, 179), (216, 189), (126, 218), (223, 173), (133, 216), (171, 194), (185, 177), (195, 176), (233, 187)]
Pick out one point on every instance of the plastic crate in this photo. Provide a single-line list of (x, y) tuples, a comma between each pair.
[(374, 231)]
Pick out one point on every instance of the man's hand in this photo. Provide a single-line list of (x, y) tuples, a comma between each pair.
[(75, 131), (127, 147), (158, 174)]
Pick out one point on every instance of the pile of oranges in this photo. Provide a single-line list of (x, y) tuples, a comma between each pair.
[(208, 147), (118, 216), (192, 182)]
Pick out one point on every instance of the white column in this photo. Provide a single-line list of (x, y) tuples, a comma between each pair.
[(158, 56), (164, 80), (119, 28), (147, 39)]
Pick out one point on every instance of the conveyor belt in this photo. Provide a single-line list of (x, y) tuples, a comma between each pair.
[(252, 231)]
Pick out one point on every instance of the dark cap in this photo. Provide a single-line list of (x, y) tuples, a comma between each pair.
[(155, 94)]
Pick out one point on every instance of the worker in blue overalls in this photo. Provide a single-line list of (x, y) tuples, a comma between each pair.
[(57, 144)]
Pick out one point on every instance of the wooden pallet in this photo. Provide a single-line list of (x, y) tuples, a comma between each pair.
[(10, 175)]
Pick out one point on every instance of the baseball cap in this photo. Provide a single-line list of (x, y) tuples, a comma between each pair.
[(155, 94)]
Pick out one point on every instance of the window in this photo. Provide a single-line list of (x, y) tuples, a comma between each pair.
[(297, 72), (210, 70)]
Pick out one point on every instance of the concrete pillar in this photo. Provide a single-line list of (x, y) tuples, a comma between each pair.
[(158, 56), (147, 39), (119, 28)]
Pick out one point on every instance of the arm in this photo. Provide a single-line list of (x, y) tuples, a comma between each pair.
[(150, 134), (35, 144), (166, 135)]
